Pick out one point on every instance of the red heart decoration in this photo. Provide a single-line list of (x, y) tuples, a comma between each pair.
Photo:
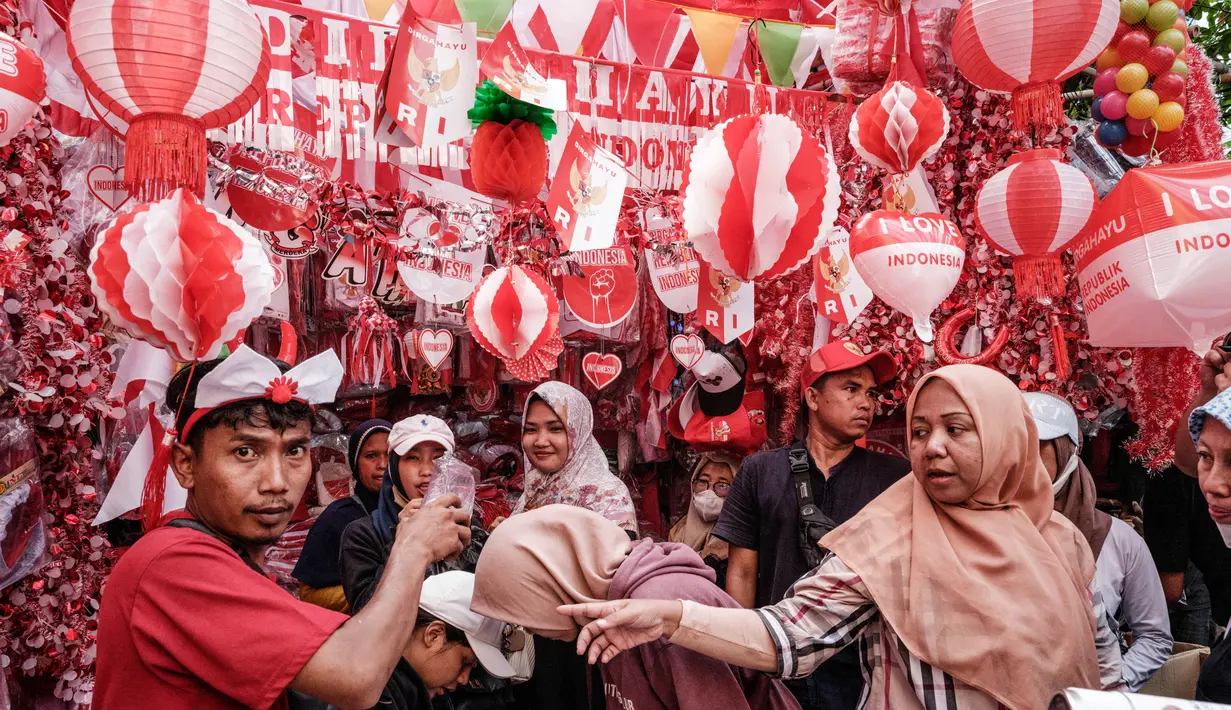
[(107, 186), (434, 346), (687, 350), (601, 370)]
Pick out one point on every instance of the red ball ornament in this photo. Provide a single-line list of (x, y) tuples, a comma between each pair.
[(508, 162), (1169, 86), (1158, 60), (1134, 46)]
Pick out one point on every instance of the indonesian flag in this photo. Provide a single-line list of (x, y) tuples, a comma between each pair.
[(429, 84)]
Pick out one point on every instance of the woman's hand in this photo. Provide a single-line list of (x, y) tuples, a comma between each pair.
[(621, 625)]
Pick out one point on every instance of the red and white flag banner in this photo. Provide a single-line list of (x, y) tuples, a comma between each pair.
[(509, 67), (725, 305), (586, 194), (428, 85)]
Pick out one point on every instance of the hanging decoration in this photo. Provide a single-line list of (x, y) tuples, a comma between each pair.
[(674, 277), (606, 291), (1140, 97), (272, 191), (838, 289), (911, 263), (1157, 255), (687, 350), (23, 86), (1029, 49), (508, 153), (725, 305), (948, 352), (370, 346), (586, 193), (514, 315), (1033, 209), (180, 276), (509, 68), (434, 346), (601, 369), (443, 279), (761, 194), (171, 71), (899, 126)]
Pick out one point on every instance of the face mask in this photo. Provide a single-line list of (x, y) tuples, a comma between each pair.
[(708, 505), (1063, 478), (1225, 531)]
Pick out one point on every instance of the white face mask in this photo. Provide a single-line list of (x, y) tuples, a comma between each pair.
[(708, 505), (1225, 531)]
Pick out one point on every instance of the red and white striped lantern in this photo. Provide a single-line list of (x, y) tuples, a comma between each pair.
[(171, 70), (1028, 48), (761, 194), (898, 127), (514, 315), (1032, 210), (23, 84)]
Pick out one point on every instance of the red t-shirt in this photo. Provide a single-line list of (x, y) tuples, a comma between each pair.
[(186, 624)]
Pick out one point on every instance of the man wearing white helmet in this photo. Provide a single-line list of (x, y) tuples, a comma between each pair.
[(1124, 570)]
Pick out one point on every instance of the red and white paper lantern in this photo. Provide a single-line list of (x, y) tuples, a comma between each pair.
[(515, 316), (1032, 209), (1028, 48), (761, 193), (23, 85), (910, 262), (1153, 266), (898, 127), (180, 276), (170, 70)]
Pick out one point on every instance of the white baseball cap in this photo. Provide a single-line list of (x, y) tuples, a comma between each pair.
[(417, 429), (1053, 416), (446, 596)]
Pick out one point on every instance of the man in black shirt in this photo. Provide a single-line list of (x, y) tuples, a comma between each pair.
[(761, 517)]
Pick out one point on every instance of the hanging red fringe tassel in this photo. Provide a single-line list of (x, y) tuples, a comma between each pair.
[(155, 490), (165, 152), (1038, 276), (1038, 105), (1060, 348)]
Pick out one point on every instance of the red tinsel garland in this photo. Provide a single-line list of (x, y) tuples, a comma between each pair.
[(48, 619)]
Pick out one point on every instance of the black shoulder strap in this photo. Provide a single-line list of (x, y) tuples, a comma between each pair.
[(194, 524), (800, 477)]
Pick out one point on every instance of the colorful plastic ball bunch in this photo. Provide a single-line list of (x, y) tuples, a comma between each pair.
[(1139, 88)]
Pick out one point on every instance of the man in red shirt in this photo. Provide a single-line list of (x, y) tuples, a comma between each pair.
[(188, 618)]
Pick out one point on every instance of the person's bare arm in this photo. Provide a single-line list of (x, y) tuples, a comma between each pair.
[(351, 668), (1173, 586), (1215, 377), (742, 576)]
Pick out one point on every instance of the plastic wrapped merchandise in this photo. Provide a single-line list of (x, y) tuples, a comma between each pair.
[(452, 476), (23, 535), (1082, 699), (1094, 160)]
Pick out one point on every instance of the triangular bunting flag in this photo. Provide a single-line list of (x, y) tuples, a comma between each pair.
[(805, 54), (377, 9), (715, 33), (488, 15), (778, 42), (651, 28)]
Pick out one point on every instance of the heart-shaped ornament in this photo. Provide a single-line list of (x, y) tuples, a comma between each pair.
[(601, 370), (687, 350), (435, 346), (107, 186)]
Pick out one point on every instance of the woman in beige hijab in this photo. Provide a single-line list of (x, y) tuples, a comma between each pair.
[(964, 588), (710, 482), (561, 554)]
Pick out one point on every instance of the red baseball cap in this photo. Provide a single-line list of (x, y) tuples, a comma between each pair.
[(842, 355)]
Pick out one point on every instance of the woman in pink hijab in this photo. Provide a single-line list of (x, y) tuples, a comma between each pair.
[(964, 589)]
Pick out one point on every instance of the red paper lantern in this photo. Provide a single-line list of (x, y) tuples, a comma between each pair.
[(171, 70), (508, 162), (899, 126), (1033, 209), (23, 84), (1028, 48), (180, 276)]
